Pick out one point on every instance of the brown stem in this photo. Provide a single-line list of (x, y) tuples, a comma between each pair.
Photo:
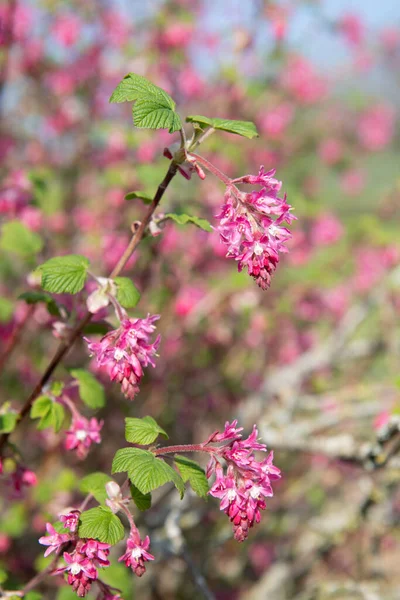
[(183, 448), (15, 337), (65, 346)]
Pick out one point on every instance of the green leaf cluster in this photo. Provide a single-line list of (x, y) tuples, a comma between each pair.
[(95, 484)]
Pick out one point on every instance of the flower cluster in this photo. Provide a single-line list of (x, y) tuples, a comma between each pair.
[(245, 484), (251, 225), (82, 564), (85, 557), (82, 434), (126, 350), (136, 552)]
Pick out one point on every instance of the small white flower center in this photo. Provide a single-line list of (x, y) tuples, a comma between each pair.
[(136, 553), (81, 435), (258, 249), (231, 495), (255, 492), (75, 568), (118, 354)]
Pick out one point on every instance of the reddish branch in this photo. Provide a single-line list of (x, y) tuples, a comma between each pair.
[(65, 346)]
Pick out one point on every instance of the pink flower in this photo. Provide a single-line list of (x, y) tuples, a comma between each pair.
[(352, 28), (352, 182), (326, 230), (71, 520), (126, 351), (66, 29), (330, 151), (254, 238), (376, 127), (302, 81), (82, 564), (242, 489), (136, 553), (22, 478), (54, 541), (82, 434), (274, 121)]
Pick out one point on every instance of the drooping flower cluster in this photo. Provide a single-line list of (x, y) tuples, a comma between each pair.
[(82, 564), (85, 557), (245, 484), (136, 552), (125, 351), (82, 434), (251, 225)]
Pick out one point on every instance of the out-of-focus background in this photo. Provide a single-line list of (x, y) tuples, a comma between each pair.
[(314, 361)]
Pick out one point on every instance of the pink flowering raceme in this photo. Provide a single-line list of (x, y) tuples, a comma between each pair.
[(83, 563), (245, 484), (126, 350), (136, 552), (251, 225), (82, 434)]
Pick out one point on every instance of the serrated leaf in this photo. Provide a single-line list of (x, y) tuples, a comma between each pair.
[(142, 431), (101, 524), (153, 108), (244, 128), (8, 422), (127, 294), (64, 274), (17, 238), (146, 471), (142, 501), (184, 219), (50, 413), (194, 474), (95, 484), (146, 198), (34, 297), (90, 390), (6, 310)]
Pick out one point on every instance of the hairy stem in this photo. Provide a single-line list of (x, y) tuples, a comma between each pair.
[(183, 448), (66, 345)]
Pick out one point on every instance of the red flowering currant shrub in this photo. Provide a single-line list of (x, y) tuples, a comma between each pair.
[(143, 373)]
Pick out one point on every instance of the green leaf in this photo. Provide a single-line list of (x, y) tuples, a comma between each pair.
[(100, 523), (184, 219), (153, 108), (146, 198), (142, 501), (90, 390), (17, 238), (244, 128), (142, 431), (50, 413), (127, 294), (8, 422), (146, 471), (98, 328), (95, 484), (6, 310), (194, 474), (3, 576), (64, 274), (34, 297)]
